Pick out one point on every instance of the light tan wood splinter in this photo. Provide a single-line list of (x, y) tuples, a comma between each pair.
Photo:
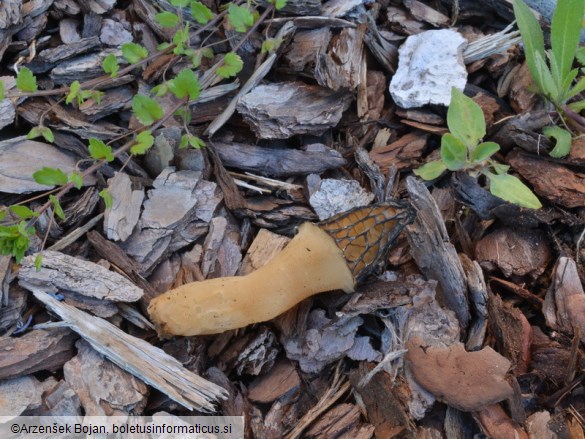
[(332, 255)]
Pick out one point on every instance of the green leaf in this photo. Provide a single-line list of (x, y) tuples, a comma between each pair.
[(185, 84), (271, 44), (134, 52), (578, 88), (23, 212), (484, 151), (110, 65), (181, 39), (2, 92), (167, 19), (465, 119), (34, 133), (278, 4), (549, 87), (453, 152), (38, 262), (201, 13), (563, 140), (240, 17), (566, 32), (50, 177), (25, 80), (500, 168), (180, 3), (107, 197), (160, 90), (191, 140), (580, 55), (532, 38), (431, 170), (99, 150), (232, 65), (511, 189), (57, 206), (47, 134), (144, 141), (76, 178), (74, 90), (577, 106), (146, 109)]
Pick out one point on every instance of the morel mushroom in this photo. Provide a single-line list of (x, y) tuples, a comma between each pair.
[(331, 255)]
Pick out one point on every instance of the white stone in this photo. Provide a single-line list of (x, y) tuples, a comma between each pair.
[(336, 196), (429, 65)]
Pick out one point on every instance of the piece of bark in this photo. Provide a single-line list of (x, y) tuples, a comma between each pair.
[(468, 381), (496, 424), (422, 12), (280, 382), (278, 162), (552, 181), (403, 23), (433, 251), (121, 218), (372, 171), (61, 400), (34, 351), (282, 110), (402, 153), (49, 58), (19, 395), (221, 251), (60, 271), (537, 425), (523, 131), (103, 388), (307, 46), (14, 306), (522, 293), (381, 46), (478, 297), (265, 246), (522, 99), (516, 252), (81, 208), (115, 100), (335, 422), (564, 304)]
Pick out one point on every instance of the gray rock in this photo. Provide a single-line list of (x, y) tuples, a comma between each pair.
[(429, 65), (336, 196)]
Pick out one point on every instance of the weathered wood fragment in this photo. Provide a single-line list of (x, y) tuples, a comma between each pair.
[(122, 217)]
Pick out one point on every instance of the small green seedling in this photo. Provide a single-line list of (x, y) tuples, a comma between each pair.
[(462, 149), (552, 71)]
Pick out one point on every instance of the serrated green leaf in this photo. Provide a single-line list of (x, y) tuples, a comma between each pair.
[(181, 39), (146, 109), (232, 65), (167, 19), (453, 152), (110, 65), (133, 52), (25, 80), (47, 134), (107, 197), (99, 150), (50, 177), (144, 141), (2, 92), (431, 170), (38, 262), (563, 140), (160, 90), (201, 13), (271, 44), (566, 32), (74, 89), (57, 206), (511, 189), (484, 151), (240, 17), (76, 178), (23, 212), (532, 38), (185, 84), (465, 119), (180, 3)]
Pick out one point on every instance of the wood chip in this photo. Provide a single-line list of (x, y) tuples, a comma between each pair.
[(122, 217), (279, 382)]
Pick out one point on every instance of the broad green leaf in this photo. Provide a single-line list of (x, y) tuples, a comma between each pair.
[(532, 38), (167, 19), (134, 52), (146, 109), (2, 90), (278, 4), (555, 70), (180, 3), (232, 65), (99, 150), (107, 197), (453, 152), (431, 170), (484, 151), (465, 119), (34, 133), (110, 65), (566, 32), (240, 17), (76, 178), (50, 177), (511, 189), (185, 84), (25, 80), (499, 168), (160, 90), (563, 140), (201, 13), (23, 212), (74, 90), (144, 141), (47, 134), (38, 262), (191, 140), (57, 206)]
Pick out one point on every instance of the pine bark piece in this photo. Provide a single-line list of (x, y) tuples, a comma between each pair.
[(15, 305), (103, 388), (433, 252), (63, 272), (278, 162), (61, 400), (468, 381), (49, 58), (402, 153), (495, 423), (18, 395), (122, 217), (279, 382), (335, 422), (282, 110), (34, 351), (265, 246)]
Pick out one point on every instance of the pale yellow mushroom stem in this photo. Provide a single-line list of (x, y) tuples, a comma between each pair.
[(330, 256)]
